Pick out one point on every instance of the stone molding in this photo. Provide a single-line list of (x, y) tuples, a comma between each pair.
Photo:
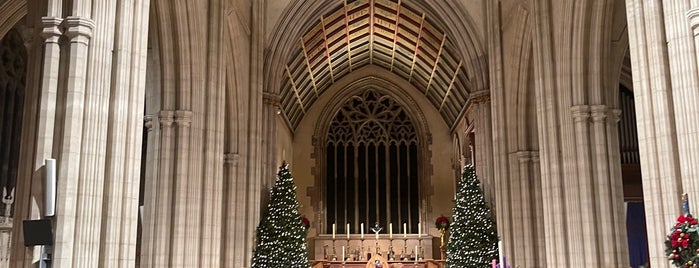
[(51, 31), (598, 112), (581, 113), (79, 29), (183, 118), (693, 16)]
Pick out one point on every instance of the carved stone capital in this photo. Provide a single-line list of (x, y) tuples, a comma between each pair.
[(535, 156), (599, 113), (183, 118), (581, 113), (270, 98), (231, 159), (79, 29), (480, 97), (614, 115), (148, 122), (523, 156), (166, 118), (51, 31)]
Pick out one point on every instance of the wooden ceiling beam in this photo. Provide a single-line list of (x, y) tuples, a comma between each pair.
[(296, 91), (417, 49), (451, 84), (308, 67), (395, 35), (371, 31), (327, 50), (348, 39), (436, 63)]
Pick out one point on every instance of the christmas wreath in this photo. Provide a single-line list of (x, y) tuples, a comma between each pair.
[(442, 223), (682, 243)]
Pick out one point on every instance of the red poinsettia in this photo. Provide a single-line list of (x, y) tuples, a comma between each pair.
[(682, 243), (306, 223), (442, 223)]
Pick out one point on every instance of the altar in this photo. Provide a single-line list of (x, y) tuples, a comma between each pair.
[(357, 248), (391, 264)]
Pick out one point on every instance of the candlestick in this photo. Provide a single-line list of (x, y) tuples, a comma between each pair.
[(362, 226), (500, 254), (415, 253), (348, 231), (334, 228), (390, 230), (405, 229), (377, 236)]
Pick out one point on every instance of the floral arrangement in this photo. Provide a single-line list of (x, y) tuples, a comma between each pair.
[(306, 223), (442, 223), (682, 243)]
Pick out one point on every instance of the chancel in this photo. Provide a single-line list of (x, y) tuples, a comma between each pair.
[(331, 133)]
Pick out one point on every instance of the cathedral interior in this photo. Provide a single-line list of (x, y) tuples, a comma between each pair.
[(168, 120)]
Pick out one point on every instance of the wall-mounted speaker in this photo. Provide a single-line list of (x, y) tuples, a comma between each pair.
[(50, 190), (37, 232)]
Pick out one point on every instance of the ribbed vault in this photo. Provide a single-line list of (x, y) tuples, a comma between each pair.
[(386, 33)]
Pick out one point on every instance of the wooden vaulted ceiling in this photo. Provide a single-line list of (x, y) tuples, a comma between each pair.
[(386, 33)]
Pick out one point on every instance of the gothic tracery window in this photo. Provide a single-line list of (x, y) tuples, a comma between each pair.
[(371, 158)]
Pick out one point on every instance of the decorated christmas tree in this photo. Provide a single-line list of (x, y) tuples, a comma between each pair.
[(281, 236), (474, 240)]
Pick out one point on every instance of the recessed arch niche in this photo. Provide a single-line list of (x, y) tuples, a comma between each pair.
[(357, 93)]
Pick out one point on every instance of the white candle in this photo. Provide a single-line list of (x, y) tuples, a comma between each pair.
[(405, 229), (348, 231), (343, 253), (415, 252), (419, 230), (500, 253), (390, 230), (334, 229), (362, 230)]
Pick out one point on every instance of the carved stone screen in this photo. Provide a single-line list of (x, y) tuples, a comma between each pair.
[(372, 165)]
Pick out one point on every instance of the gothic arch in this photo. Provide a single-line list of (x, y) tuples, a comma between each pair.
[(447, 16), (11, 12), (383, 86)]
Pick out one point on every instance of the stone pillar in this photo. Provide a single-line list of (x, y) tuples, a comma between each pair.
[(32, 154), (655, 80), (68, 215), (527, 246), (150, 122), (235, 205), (180, 240), (616, 184), (484, 142), (161, 189), (579, 195)]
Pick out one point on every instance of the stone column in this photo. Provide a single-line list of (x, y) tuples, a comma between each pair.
[(79, 31), (150, 122), (162, 189), (34, 149), (527, 246), (484, 142), (539, 231), (235, 245), (183, 120), (616, 184), (655, 117), (582, 237)]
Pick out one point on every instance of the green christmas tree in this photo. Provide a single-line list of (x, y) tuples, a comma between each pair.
[(281, 237), (474, 240)]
